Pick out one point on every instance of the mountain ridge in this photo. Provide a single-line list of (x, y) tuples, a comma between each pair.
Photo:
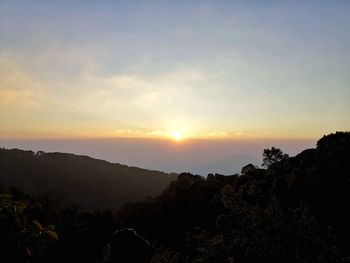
[(88, 182)]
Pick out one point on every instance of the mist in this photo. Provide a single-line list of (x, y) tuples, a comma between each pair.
[(196, 156)]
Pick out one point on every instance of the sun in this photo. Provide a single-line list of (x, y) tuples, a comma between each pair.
[(177, 136)]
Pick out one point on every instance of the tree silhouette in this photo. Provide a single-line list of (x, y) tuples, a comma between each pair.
[(273, 155), (248, 168)]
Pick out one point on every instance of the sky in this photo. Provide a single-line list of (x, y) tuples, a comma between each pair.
[(174, 70)]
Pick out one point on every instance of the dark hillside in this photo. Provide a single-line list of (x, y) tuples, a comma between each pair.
[(87, 182), (295, 210)]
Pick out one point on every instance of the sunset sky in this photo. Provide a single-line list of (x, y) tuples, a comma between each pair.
[(174, 69)]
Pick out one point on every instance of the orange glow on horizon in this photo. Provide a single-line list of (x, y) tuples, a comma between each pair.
[(177, 136)]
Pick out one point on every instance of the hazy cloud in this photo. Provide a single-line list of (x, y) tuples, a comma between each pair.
[(209, 69)]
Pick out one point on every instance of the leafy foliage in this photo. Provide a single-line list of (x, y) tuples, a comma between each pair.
[(23, 238)]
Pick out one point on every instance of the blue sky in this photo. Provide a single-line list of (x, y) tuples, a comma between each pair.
[(205, 69)]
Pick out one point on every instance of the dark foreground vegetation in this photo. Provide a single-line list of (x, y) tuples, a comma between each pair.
[(296, 209)]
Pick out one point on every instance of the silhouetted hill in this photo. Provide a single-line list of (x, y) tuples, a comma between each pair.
[(294, 211), (87, 182)]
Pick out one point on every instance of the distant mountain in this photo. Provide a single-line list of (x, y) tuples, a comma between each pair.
[(87, 182)]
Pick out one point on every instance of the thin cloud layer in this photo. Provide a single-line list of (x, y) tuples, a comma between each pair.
[(209, 70)]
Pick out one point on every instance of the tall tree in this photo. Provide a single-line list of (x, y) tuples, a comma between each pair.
[(273, 155)]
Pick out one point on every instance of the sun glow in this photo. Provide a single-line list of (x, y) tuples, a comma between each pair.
[(177, 136)]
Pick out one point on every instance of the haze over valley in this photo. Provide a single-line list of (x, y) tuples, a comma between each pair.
[(195, 156)]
